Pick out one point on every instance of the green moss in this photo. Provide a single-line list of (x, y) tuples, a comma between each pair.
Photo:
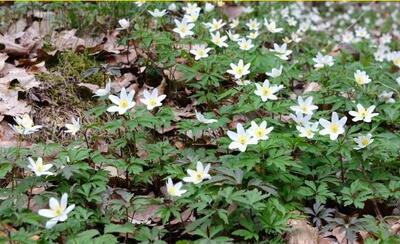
[(72, 66), (60, 84)]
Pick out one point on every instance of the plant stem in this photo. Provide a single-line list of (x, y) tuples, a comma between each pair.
[(30, 193)]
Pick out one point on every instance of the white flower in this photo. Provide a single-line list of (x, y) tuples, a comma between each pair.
[(386, 97), (386, 38), (275, 72), (308, 130), (363, 114), (25, 125), (296, 37), (172, 7), (333, 128), (245, 44), (140, 3), (281, 51), (183, 28), (38, 167), (157, 13), (253, 35), (271, 26), (200, 117), (199, 175), (248, 9), (174, 189), (219, 40), (241, 82), (260, 132), (395, 58), (266, 91), (347, 37), (192, 8), (215, 25), (190, 18), (58, 211), (240, 139), (291, 21), (363, 141), (200, 51), (209, 7), (300, 118), (322, 61), (305, 107), (122, 103), (361, 32), (398, 80), (152, 100), (234, 23), (287, 40), (253, 25), (239, 70), (74, 127), (234, 37), (124, 23), (361, 77), (103, 91)]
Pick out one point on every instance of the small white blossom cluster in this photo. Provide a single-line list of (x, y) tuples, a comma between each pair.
[(194, 176)]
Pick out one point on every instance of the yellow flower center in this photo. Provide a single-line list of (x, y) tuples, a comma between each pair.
[(304, 108), (58, 211), (39, 167), (172, 190), (260, 132), (396, 62), (152, 102), (309, 132), (334, 128), (183, 29), (363, 112), (360, 79), (124, 103), (243, 140), (266, 91), (239, 70), (199, 176), (364, 141)]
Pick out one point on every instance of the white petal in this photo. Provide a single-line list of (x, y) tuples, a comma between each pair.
[(69, 209), (199, 167), (51, 223), (113, 109), (53, 203), (64, 200), (46, 213), (207, 168), (114, 99)]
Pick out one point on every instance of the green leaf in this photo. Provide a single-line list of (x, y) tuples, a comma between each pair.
[(4, 169), (114, 228)]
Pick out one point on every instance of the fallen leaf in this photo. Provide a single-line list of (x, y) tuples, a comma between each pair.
[(3, 58), (231, 11), (10, 73), (146, 216), (312, 87), (301, 232), (92, 87), (123, 81), (10, 105)]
